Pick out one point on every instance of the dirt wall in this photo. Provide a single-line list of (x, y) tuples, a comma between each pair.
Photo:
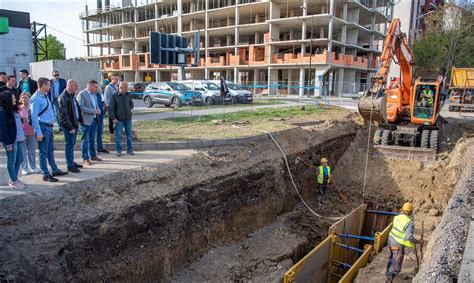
[(147, 223)]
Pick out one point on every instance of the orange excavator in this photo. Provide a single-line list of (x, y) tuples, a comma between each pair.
[(407, 112)]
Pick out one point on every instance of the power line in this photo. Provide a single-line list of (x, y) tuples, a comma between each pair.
[(72, 36)]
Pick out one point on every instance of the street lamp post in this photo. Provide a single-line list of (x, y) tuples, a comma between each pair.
[(310, 47)]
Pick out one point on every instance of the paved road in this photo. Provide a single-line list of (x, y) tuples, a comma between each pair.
[(202, 112), (111, 164)]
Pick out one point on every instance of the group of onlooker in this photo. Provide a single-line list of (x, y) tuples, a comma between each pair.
[(27, 121)]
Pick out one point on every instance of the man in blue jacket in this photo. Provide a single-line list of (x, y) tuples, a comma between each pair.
[(100, 124), (58, 85)]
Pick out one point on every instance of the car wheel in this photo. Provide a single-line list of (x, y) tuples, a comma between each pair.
[(234, 100), (209, 101), (176, 102), (148, 102)]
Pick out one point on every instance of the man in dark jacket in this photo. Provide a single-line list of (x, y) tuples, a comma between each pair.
[(27, 84), (224, 89), (120, 111), (11, 86), (57, 87), (69, 118)]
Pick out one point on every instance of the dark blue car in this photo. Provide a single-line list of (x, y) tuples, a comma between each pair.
[(171, 95)]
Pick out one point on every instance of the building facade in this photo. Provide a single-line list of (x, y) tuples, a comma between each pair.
[(278, 46), (16, 45)]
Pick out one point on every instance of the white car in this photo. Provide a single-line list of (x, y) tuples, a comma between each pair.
[(209, 90), (239, 95)]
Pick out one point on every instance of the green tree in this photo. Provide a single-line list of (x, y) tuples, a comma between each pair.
[(55, 47), (448, 39)]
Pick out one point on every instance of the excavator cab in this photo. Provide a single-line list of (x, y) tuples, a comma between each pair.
[(425, 103)]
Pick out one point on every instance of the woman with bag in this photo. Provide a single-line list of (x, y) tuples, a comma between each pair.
[(29, 149), (12, 136)]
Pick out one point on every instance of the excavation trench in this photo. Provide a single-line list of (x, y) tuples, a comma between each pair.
[(228, 213)]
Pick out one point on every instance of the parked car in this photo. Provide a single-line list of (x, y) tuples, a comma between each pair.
[(210, 91), (170, 94), (136, 89), (239, 95)]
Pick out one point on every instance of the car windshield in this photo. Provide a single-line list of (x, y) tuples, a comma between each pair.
[(233, 86), (211, 86), (178, 86)]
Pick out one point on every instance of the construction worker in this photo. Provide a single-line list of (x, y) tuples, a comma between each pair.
[(324, 177), (427, 97), (400, 236)]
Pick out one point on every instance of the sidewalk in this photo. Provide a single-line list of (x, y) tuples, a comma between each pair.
[(111, 164)]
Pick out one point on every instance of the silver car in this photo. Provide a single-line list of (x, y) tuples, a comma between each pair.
[(210, 91)]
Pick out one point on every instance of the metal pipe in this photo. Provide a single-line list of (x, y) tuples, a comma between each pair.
[(335, 274), (347, 247), (342, 264), (366, 238), (382, 212)]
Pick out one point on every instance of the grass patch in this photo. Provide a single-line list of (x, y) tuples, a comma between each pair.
[(229, 125), (256, 102)]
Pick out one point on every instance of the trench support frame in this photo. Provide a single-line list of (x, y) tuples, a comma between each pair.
[(338, 257)]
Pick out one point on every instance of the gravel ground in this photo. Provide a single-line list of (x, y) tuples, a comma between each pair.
[(446, 248)]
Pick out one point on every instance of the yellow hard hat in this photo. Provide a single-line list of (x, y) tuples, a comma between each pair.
[(324, 160), (407, 206)]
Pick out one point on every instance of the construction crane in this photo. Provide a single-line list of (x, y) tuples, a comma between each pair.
[(408, 120)]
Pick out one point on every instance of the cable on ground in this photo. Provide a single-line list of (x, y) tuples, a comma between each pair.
[(368, 149), (293, 181)]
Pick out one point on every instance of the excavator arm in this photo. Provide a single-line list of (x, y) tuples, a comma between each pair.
[(379, 103)]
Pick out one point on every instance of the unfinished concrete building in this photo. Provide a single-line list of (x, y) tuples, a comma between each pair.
[(276, 46)]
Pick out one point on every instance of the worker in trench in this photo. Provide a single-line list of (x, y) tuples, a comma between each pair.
[(400, 236), (324, 178)]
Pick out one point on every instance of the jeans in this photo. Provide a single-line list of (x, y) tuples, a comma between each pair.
[(118, 135), (46, 150), (100, 132), (56, 110), (70, 140), (14, 160), (88, 140), (29, 154)]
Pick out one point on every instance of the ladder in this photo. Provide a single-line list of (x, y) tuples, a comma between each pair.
[(467, 103)]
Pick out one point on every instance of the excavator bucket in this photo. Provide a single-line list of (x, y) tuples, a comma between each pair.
[(373, 108)]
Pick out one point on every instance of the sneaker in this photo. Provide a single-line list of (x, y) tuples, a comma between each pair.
[(119, 154), (103, 150), (59, 173), (16, 185), (50, 178), (25, 172), (78, 165), (73, 170), (35, 171), (131, 153), (96, 159)]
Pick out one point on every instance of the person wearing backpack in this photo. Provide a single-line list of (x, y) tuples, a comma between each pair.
[(42, 119)]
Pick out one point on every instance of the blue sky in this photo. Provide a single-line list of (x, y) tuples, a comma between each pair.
[(62, 16)]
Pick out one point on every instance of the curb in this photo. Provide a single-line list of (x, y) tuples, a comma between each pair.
[(192, 144)]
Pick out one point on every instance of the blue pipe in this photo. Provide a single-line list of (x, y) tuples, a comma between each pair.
[(382, 212), (342, 264), (366, 238), (347, 247)]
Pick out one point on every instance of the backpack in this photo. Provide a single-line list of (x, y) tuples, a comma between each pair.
[(39, 114)]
